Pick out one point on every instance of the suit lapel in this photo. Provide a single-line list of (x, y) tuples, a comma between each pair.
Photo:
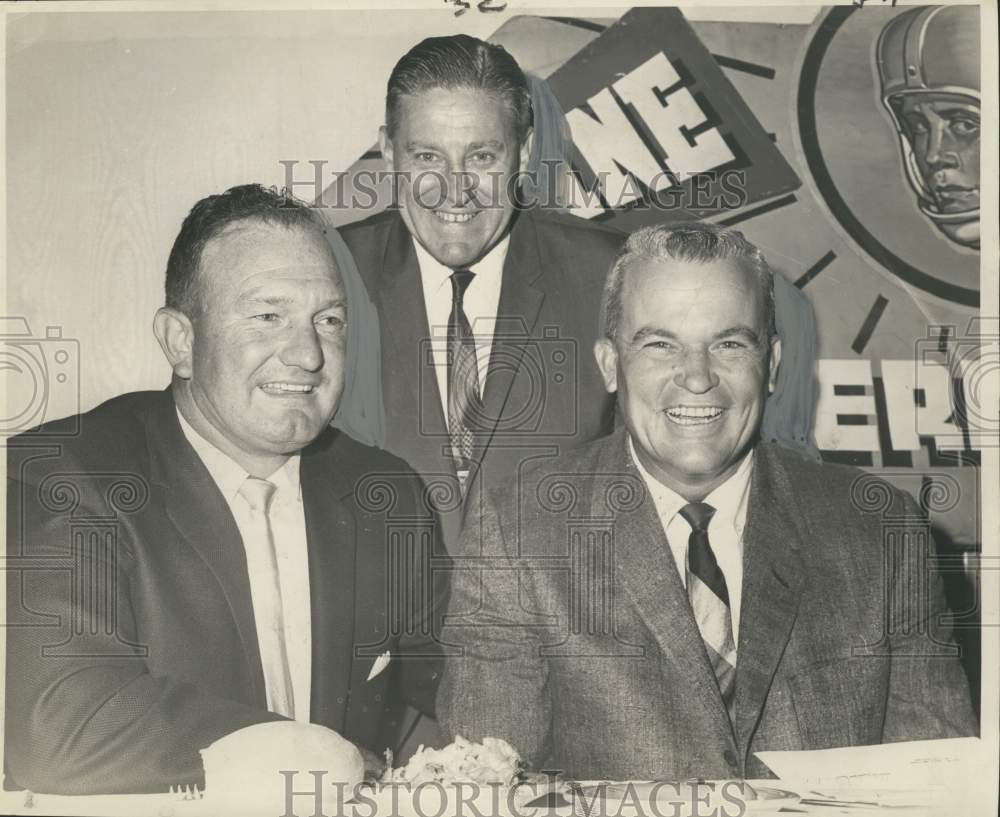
[(522, 294), (200, 513), (772, 585), (652, 581), (405, 330), (332, 536), (409, 378)]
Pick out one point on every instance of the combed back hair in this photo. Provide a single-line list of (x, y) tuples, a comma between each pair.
[(213, 215), (695, 241), (459, 61)]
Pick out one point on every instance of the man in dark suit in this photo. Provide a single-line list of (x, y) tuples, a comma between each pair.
[(669, 600), (186, 563), (488, 311)]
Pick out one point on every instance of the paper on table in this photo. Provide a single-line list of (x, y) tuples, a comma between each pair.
[(926, 762)]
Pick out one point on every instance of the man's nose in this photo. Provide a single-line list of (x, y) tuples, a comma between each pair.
[(695, 373), (940, 148), (303, 349), (461, 184)]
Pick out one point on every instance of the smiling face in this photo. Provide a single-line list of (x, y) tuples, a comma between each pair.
[(943, 130), (692, 365), (265, 368), (456, 151)]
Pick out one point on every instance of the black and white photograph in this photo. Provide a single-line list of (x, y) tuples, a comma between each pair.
[(500, 408)]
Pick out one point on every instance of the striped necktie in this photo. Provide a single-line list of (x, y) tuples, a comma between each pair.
[(268, 610), (463, 378), (710, 600)]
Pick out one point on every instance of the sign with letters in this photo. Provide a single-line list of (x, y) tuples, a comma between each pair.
[(659, 132)]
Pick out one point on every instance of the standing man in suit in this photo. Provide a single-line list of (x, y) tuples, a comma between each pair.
[(667, 601), (186, 563), (488, 311)]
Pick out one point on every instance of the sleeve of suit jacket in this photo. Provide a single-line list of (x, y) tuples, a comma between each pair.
[(83, 712), (928, 689), (497, 685)]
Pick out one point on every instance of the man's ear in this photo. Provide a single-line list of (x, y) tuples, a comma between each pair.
[(607, 362), (385, 145), (772, 376), (175, 334), (525, 155)]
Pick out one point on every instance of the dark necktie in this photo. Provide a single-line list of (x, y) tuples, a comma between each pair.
[(463, 378), (710, 600)]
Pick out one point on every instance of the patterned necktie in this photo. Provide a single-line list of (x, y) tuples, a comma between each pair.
[(710, 600), (259, 540), (463, 378)]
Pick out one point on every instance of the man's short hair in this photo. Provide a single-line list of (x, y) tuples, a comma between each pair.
[(460, 61), (695, 241), (213, 215)]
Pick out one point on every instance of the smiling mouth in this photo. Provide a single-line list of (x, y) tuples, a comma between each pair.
[(287, 388), (693, 415), (456, 218)]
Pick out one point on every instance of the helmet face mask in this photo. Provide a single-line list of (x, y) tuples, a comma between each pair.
[(931, 91)]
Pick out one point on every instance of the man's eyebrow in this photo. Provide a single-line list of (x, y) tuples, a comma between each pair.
[(653, 331), (412, 146), (255, 297), (970, 111), (741, 329), (492, 144)]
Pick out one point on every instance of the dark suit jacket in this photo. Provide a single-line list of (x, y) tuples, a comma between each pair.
[(132, 642), (543, 393), (582, 650)]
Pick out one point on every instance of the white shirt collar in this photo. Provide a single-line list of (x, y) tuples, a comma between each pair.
[(229, 475), (729, 499), (436, 275)]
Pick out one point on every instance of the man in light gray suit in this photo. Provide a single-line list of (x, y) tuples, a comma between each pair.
[(671, 599)]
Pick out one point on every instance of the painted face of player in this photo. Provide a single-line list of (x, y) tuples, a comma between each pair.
[(456, 152), (943, 130), (692, 364)]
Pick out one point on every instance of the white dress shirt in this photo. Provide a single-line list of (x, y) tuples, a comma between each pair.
[(725, 531), (288, 525), (480, 303)]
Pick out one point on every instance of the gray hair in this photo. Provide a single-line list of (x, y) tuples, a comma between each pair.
[(696, 241)]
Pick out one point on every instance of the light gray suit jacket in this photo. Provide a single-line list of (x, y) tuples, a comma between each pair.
[(581, 649)]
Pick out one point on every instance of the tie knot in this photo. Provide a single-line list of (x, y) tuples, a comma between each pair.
[(460, 280), (698, 515), (257, 493)]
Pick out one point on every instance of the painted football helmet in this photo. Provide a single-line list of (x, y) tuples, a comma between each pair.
[(931, 50)]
